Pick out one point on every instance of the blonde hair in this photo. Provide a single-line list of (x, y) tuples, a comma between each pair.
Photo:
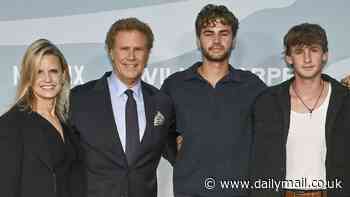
[(30, 62)]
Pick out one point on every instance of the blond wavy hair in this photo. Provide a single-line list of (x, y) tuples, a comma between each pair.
[(29, 66)]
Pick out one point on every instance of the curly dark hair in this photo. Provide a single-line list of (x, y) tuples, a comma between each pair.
[(211, 13), (305, 34)]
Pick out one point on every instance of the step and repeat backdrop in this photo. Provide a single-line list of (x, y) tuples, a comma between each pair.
[(79, 27)]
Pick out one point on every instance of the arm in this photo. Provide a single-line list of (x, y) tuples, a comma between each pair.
[(170, 149)]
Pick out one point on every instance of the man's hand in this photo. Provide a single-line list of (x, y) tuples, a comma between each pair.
[(346, 81), (179, 141)]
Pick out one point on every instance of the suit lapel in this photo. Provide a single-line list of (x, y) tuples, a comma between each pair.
[(150, 111), (104, 111), (147, 139)]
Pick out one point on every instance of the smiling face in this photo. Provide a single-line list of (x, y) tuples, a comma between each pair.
[(216, 42), (307, 61), (129, 56), (48, 79)]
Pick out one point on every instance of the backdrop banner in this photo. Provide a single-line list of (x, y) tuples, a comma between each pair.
[(79, 29)]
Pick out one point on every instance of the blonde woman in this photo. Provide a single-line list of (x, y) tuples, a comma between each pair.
[(40, 153)]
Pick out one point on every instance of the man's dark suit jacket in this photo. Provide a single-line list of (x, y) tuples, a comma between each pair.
[(108, 173), (26, 166), (271, 126)]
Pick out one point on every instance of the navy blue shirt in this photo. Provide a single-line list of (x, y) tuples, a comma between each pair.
[(215, 123)]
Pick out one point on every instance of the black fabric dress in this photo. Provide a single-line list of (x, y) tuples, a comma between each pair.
[(35, 161), (61, 152)]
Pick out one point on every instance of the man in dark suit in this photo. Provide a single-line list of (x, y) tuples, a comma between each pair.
[(125, 124)]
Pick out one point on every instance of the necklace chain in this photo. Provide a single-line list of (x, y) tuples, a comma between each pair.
[(307, 107)]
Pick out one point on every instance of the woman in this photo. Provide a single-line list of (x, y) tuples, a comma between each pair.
[(40, 153)]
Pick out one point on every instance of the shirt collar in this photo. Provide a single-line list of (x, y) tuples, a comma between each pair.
[(119, 87), (192, 73)]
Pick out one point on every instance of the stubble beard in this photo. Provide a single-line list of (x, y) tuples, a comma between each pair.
[(216, 57)]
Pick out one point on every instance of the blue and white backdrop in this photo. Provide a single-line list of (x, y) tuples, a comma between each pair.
[(79, 27)]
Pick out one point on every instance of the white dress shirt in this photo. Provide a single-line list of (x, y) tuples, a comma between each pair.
[(118, 98)]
